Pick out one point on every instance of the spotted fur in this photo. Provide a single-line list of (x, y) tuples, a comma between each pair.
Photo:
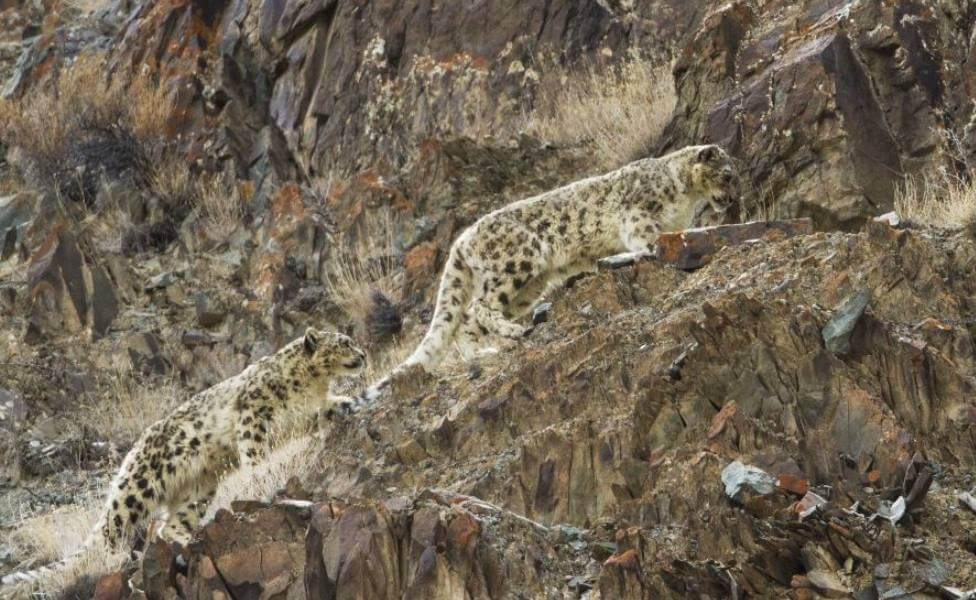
[(177, 462), (500, 267)]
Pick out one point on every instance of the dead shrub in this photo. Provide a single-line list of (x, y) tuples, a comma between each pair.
[(86, 127), (619, 110)]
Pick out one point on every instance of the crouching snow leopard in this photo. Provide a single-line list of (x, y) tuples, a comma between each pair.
[(500, 266), (176, 463)]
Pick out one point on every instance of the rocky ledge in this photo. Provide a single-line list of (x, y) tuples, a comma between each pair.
[(795, 418)]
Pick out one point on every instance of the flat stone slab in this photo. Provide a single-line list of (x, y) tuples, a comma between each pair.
[(694, 248)]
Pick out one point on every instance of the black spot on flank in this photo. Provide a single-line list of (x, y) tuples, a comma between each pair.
[(503, 298), (536, 244), (483, 329), (246, 421), (561, 229), (510, 267), (170, 469), (448, 317), (133, 517), (258, 438), (246, 435), (148, 493), (143, 484), (115, 504), (207, 436), (485, 287), (458, 264), (130, 501), (518, 283), (543, 225), (117, 520), (251, 453), (525, 266), (195, 443), (262, 428)]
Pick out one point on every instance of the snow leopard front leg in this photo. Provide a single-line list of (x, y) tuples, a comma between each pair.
[(343, 404), (638, 238)]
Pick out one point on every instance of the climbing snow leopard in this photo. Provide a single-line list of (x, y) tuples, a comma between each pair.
[(177, 462), (500, 266)]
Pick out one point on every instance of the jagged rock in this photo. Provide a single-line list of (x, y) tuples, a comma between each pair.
[(144, 352), (16, 212), (837, 333), (68, 291), (825, 103)]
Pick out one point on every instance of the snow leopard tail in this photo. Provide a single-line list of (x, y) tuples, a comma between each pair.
[(42, 572), (100, 534), (452, 298)]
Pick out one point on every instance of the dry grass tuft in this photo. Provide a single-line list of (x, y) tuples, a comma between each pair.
[(58, 535), (85, 128), (620, 110), (939, 200), (128, 406), (763, 208), (945, 196), (362, 265), (221, 206), (289, 458)]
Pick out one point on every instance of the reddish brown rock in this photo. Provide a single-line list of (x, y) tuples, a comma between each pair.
[(693, 248)]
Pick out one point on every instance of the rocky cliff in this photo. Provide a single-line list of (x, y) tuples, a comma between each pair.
[(596, 459)]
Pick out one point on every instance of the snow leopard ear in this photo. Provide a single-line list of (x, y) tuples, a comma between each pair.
[(706, 154), (311, 341)]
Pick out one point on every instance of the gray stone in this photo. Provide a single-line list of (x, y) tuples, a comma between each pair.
[(741, 480), (837, 333)]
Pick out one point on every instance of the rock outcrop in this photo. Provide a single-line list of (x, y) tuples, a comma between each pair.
[(828, 104), (595, 457)]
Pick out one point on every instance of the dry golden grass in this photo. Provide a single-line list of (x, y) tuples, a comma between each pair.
[(260, 482), (937, 199), (127, 407), (58, 535), (619, 110), (362, 265)]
